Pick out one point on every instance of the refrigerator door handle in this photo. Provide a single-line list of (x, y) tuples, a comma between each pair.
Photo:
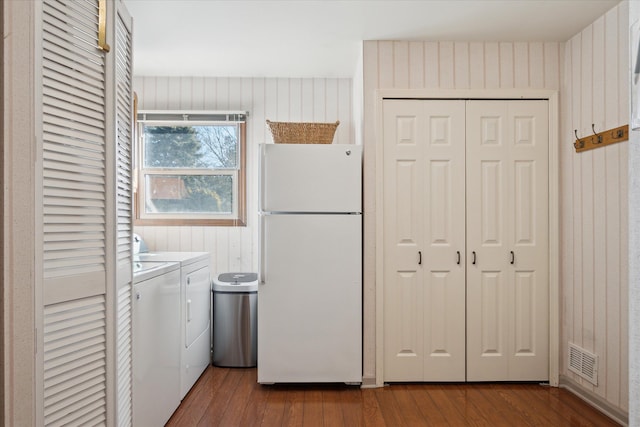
[(263, 256)]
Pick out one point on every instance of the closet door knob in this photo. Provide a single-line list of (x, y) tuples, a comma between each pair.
[(419, 257), (473, 260), (458, 257), (513, 258)]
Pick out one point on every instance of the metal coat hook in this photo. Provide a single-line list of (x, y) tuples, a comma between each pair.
[(617, 133), (593, 128), (579, 143)]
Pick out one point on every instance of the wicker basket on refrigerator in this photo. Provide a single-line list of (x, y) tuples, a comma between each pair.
[(302, 132)]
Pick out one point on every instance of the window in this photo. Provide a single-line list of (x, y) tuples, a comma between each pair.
[(191, 168)]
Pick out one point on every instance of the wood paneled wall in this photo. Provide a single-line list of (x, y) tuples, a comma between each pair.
[(594, 204), (590, 71), (278, 99)]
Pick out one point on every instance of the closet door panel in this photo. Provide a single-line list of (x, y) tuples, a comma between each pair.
[(424, 241), (443, 264), (529, 231), (487, 266), (404, 132), (507, 228)]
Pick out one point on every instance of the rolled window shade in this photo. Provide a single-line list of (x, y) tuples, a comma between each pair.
[(193, 116)]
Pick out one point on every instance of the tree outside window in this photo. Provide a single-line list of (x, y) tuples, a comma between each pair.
[(191, 173)]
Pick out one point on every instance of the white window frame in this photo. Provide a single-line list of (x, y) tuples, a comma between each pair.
[(237, 216)]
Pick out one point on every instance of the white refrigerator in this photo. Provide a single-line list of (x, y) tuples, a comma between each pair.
[(310, 288)]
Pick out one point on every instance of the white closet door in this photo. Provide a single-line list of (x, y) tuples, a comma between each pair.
[(74, 305), (83, 175), (122, 27), (424, 241), (507, 240)]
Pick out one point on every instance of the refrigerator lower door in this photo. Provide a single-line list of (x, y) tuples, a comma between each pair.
[(310, 299)]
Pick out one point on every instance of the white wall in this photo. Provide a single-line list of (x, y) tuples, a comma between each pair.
[(437, 65), (276, 99), (594, 204)]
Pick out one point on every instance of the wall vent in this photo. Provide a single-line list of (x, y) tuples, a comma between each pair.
[(583, 363)]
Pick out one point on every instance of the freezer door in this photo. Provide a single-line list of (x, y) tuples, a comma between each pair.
[(310, 299), (311, 178)]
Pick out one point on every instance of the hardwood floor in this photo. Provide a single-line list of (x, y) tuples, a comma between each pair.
[(232, 397)]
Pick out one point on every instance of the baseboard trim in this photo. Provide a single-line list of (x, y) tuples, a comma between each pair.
[(594, 400), (368, 383)]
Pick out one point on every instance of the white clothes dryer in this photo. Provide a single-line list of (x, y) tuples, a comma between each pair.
[(195, 314)]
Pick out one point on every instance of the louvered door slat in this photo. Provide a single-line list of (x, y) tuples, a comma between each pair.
[(74, 112), (79, 229), (70, 213), (72, 46), (67, 214), (62, 310), (88, 318), (79, 13), (75, 37), (64, 123), (64, 81), (61, 380), (69, 202), (71, 358), (62, 246), (66, 158), (88, 380), (87, 95), (71, 137), (75, 190), (90, 420), (70, 260), (83, 408), (65, 140), (70, 171), (74, 360), (124, 357), (89, 69), (76, 260), (75, 219)]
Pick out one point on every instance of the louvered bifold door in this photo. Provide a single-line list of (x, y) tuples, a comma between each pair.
[(73, 347), (124, 137)]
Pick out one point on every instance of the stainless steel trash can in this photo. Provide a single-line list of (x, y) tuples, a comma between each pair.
[(235, 306)]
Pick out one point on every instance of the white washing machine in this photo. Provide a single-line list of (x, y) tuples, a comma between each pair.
[(195, 302), (155, 342)]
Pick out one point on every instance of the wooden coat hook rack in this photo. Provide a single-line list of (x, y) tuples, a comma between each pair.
[(601, 139)]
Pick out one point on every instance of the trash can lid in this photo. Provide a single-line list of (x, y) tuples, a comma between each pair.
[(236, 282), (237, 277)]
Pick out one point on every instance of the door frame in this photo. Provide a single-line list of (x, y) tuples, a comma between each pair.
[(551, 96)]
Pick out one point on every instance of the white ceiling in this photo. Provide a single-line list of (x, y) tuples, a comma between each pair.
[(322, 38)]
